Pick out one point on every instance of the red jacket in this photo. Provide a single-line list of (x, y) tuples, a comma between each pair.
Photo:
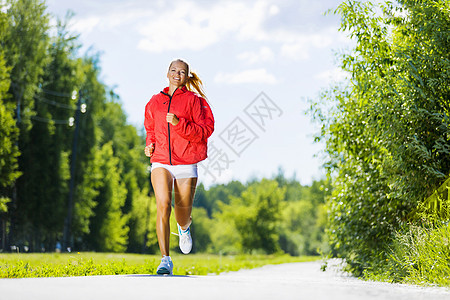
[(185, 143)]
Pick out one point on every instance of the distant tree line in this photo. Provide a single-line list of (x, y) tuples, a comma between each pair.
[(261, 216)]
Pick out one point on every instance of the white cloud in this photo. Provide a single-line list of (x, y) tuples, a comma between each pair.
[(85, 25), (264, 54), (190, 25), (248, 76), (194, 25), (332, 75), (109, 21), (274, 10), (297, 46), (295, 51)]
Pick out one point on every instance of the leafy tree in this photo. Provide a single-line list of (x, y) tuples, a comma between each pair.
[(201, 233), (219, 193), (8, 131), (295, 224), (142, 223), (256, 216), (49, 145), (127, 147), (303, 220), (224, 236), (24, 45), (88, 176), (108, 229)]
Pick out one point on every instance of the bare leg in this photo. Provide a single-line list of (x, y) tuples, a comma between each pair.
[(162, 185), (184, 198)]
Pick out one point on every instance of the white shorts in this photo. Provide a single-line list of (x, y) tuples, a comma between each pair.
[(178, 171)]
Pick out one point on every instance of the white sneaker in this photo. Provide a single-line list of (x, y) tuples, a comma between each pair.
[(165, 267), (185, 239)]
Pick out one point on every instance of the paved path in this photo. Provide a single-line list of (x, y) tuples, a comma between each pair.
[(287, 281)]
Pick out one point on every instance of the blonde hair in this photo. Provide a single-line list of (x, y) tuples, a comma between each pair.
[(193, 83)]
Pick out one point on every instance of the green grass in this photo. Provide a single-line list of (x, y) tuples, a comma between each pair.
[(418, 256), (87, 264)]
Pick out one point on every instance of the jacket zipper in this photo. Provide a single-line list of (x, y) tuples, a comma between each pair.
[(168, 125)]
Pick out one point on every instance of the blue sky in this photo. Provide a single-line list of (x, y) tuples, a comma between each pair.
[(259, 61)]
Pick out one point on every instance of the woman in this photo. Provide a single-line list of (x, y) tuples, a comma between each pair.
[(178, 124)]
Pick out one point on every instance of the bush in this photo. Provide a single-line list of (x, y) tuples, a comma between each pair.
[(418, 255), (387, 128)]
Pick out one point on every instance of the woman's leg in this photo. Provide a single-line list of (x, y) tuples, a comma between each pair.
[(184, 198), (162, 185)]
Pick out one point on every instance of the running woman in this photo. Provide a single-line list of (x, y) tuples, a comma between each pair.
[(178, 122)]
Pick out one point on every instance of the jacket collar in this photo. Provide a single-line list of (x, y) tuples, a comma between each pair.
[(177, 91)]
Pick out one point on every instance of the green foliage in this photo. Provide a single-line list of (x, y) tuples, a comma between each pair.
[(8, 132), (387, 128), (108, 224), (201, 230), (219, 194), (142, 223), (25, 42), (127, 147), (42, 77), (255, 215), (303, 219), (267, 216), (418, 255), (3, 204), (435, 208)]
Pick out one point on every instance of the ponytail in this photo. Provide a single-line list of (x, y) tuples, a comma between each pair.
[(195, 84)]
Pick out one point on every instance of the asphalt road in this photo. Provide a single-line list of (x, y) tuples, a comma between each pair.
[(287, 281)]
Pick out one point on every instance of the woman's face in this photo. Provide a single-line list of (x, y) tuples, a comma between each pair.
[(177, 73)]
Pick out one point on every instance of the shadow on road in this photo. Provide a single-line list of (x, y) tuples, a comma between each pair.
[(153, 275)]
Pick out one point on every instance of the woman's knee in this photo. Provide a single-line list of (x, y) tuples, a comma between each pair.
[(164, 208)]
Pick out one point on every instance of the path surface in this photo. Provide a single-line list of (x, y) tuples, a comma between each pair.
[(287, 281)]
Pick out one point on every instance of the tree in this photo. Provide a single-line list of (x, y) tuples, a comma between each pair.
[(142, 224), (256, 214), (25, 55), (24, 44), (127, 147), (88, 176), (108, 228), (201, 233), (8, 131), (303, 220), (8, 145), (219, 193)]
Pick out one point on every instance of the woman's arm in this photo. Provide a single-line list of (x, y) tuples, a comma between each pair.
[(202, 126), (149, 125)]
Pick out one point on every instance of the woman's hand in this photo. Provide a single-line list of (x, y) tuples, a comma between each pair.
[(149, 150), (172, 119)]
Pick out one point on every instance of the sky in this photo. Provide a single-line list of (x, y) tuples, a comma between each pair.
[(259, 61)]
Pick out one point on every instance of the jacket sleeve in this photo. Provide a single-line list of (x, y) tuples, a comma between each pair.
[(149, 125), (202, 125)]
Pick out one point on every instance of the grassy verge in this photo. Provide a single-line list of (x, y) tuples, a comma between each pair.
[(418, 256), (87, 264)]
